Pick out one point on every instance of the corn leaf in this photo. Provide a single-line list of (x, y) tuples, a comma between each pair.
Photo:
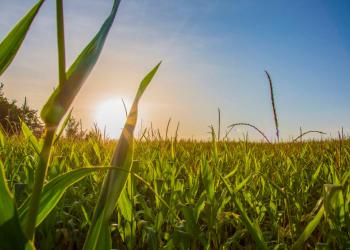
[(11, 234), (98, 231), (54, 190), (2, 138), (30, 137), (60, 100), (64, 125), (191, 225), (208, 181), (334, 205), (115, 180), (254, 230), (309, 229), (12, 42), (125, 206), (242, 184)]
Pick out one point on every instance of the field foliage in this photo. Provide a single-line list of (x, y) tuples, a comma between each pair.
[(178, 196), (154, 193)]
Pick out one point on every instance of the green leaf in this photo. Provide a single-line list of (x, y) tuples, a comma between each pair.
[(28, 134), (2, 138), (12, 42), (308, 229), (64, 125), (115, 180), (232, 172), (191, 225), (208, 181), (254, 230), (242, 184), (11, 234), (60, 100), (54, 190), (96, 234), (125, 205), (334, 205), (199, 206)]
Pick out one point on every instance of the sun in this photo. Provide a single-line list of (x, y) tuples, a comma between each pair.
[(109, 114)]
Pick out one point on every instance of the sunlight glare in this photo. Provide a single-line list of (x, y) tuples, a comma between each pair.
[(110, 113)]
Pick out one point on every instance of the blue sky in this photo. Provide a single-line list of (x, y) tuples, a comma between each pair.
[(214, 55)]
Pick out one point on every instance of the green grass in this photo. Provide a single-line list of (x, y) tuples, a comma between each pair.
[(150, 193), (182, 197)]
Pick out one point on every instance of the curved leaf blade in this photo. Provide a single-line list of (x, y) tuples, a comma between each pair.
[(62, 97), (11, 234), (63, 126), (115, 180), (254, 230), (13, 41), (53, 192), (308, 229)]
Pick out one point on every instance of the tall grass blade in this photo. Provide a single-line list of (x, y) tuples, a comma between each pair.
[(28, 134), (273, 105), (249, 125), (60, 100), (2, 138), (155, 193), (308, 132), (60, 43), (308, 230), (13, 41), (125, 205), (167, 129), (254, 230), (177, 131), (125, 109), (334, 206), (115, 180), (11, 234), (192, 227), (219, 124), (40, 173), (63, 126), (54, 190)]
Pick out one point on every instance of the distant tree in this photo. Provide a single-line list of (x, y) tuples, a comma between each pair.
[(94, 133), (31, 118), (7, 113), (74, 129), (11, 115)]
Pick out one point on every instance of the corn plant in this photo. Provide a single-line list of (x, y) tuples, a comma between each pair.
[(53, 111), (155, 193), (99, 234), (13, 41)]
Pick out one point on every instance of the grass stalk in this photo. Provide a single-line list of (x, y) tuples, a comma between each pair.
[(219, 123), (273, 105), (167, 129), (308, 132), (125, 109), (249, 125), (177, 131), (61, 43), (50, 131), (40, 173)]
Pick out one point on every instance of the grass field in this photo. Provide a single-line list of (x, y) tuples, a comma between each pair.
[(183, 201), (154, 193)]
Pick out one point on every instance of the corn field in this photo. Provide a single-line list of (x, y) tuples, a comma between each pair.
[(162, 193)]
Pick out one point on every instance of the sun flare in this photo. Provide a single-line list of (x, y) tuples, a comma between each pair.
[(110, 115)]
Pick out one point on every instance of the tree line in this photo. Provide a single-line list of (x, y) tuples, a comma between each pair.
[(12, 115)]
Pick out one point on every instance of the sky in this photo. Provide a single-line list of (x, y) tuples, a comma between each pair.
[(213, 54)]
